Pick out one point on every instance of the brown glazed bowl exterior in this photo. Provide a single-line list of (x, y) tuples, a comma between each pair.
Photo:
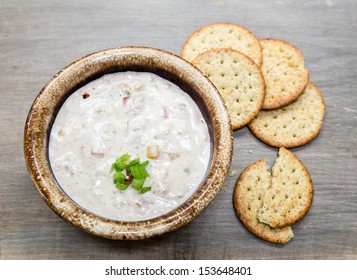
[(82, 71)]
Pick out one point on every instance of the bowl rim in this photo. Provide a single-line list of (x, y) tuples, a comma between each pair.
[(39, 119)]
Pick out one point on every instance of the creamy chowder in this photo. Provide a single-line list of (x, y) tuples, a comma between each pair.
[(134, 113)]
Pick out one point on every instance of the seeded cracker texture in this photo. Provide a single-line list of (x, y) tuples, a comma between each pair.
[(290, 196), (248, 198), (294, 125), (284, 73), (222, 35), (238, 80)]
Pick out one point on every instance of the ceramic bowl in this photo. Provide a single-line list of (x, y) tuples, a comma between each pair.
[(90, 67)]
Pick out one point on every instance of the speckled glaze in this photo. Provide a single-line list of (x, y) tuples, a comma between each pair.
[(82, 71)]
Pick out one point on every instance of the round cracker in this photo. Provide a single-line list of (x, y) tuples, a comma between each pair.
[(238, 80), (284, 73), (289, 198), (248, 198), (294, 125), (222, 35)]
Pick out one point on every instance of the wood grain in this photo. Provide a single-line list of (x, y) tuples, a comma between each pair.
[(38, 38)]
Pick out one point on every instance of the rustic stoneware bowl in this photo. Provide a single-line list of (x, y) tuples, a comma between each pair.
[(88, 68)]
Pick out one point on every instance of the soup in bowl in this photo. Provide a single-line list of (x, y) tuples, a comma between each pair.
[(128, 143)]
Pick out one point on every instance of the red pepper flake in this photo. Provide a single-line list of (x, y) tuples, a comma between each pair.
[(125, 99), (98, 154)]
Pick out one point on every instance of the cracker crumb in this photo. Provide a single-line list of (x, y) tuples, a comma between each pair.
[(232, 173)]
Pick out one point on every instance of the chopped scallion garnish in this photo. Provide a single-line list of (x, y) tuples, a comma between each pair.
[(136, 173)]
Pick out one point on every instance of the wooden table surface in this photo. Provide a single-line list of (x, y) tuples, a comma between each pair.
[(39, 38)]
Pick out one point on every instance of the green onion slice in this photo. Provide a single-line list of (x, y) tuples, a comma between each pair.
[(138, 171), (145, 189), (138, 183)]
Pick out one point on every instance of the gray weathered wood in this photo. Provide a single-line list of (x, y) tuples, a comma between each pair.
[(38, 38)]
